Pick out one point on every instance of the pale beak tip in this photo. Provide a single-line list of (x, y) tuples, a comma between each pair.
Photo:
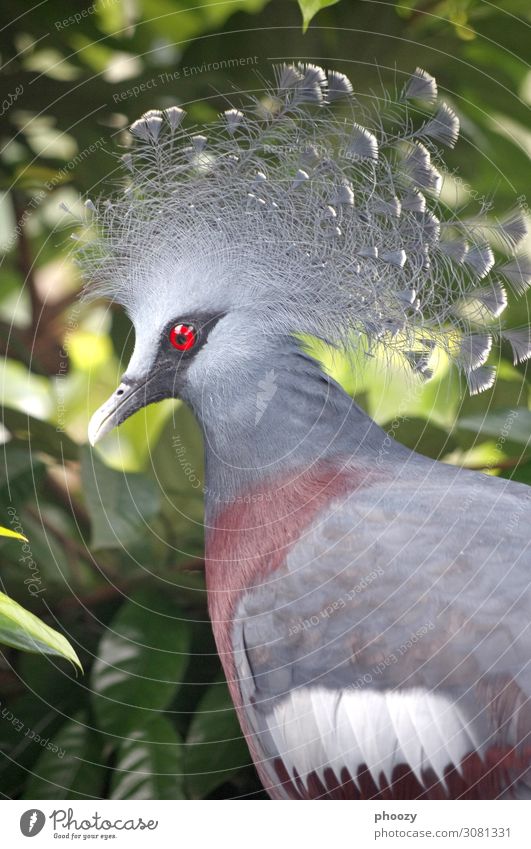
[(96, 428), (125, 401), (92, 432)]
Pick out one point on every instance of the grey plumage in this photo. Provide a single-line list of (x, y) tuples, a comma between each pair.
[(305, 212), (409, 589), (310, 158)]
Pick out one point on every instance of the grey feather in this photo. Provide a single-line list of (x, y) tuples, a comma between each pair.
[(480, 379), (419, 362), (513, 228), (431, 226), (493, 297), (338, 86), (233, 119), (396, 258), (344, 195), (153, 123), (310, 156), (288, 76), (519, 273), (175, 116), (418, 164), (413, 201), (520, 342), (300, 178), (474, 350), (409, 296), (140, 130), (391, 206), (421, 86), (443, 127), (362, 144), (370, 251), (480, 258), (305, 83), (456, 250), (198, 142)]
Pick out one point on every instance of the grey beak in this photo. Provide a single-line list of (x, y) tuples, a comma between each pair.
[(130, 396)]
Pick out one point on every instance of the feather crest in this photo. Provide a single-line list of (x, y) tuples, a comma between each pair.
[(313, 219)]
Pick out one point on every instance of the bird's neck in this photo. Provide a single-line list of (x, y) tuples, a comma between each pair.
[(283, 418)]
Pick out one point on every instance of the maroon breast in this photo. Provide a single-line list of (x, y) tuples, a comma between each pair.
[(250, 537)]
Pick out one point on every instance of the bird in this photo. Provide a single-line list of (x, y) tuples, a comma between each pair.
[(370, 605)]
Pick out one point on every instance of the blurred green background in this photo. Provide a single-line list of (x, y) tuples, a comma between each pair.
[(115, 534)]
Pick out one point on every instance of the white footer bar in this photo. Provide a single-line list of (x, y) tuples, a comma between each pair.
[(261, 825)]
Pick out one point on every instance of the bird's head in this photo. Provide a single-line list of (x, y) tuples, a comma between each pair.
[(187, 357), (295, 218), (197, 331)]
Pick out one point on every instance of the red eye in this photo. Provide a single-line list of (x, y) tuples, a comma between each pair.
[(183, 336)]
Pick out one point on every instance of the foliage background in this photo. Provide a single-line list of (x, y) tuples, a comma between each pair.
[(115, 535)]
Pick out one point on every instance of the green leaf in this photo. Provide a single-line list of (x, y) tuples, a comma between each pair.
[(511, 425), (309, 9), (120, 504), (70, 767), (22, 630), (178, 466), (19, 715), (20, 476), (5, 532), (149, 763), (141, 662), (33, 176), (43, 563), (122, 336), (215, 746), (520, 474), (510, 391), (40, 435), (421, 436)]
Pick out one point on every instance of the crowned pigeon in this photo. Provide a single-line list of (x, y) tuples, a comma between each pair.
[(371, 606)]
